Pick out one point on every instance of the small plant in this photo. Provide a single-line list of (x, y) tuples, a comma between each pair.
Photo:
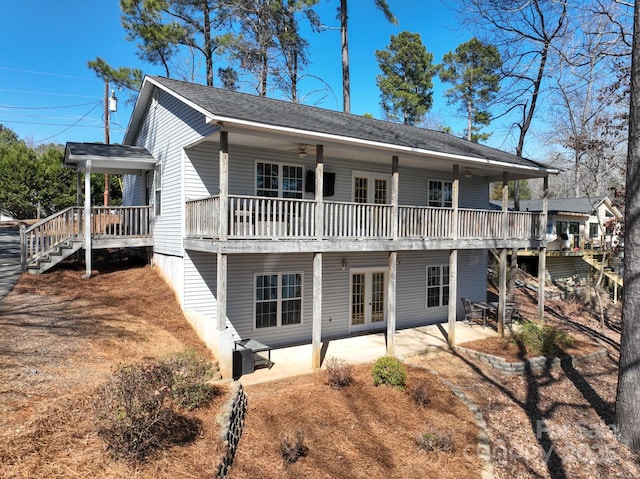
[(546, 340), (132, 413), (389, 371), (419, 393), (189, 376), (292, 447), (436, 441), (339, 373)]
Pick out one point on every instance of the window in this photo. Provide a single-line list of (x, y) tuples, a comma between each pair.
[(440, 193), (278, 180), (437, 286), (574, 228), (157, 188), (278, 300), (594, 230)]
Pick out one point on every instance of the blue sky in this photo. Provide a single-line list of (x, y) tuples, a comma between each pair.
[(47, 93)]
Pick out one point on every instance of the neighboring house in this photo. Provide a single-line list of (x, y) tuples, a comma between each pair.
[(575, 227), (6, 216), (290, 224), (575, 224)]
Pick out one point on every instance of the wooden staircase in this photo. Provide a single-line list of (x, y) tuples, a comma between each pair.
[(57, 237)]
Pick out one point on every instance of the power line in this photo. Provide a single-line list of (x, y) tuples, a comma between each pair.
[(13, 107), (70, 126), (61, 75), (47, 93)]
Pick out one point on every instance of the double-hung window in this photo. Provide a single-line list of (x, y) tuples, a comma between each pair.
[(278, 299), (278, 180), (437, 286), (440, 193)]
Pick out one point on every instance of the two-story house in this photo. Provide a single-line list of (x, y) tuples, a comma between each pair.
[(291, 224)]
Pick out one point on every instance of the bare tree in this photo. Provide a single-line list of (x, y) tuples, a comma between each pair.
[(628, 399)]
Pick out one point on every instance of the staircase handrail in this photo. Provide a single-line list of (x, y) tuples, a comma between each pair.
[(40, 238)]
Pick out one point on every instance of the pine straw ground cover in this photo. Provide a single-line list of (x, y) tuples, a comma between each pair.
[(359, 431), (552, 423), (61, 336)]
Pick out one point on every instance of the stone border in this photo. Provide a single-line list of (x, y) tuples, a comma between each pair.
[(534, 364), (231, 420), (483, 449)]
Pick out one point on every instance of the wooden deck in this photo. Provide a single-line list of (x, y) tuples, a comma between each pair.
[(260, 218)]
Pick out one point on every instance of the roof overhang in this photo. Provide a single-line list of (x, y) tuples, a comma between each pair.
[(113, 159), (491, 168)]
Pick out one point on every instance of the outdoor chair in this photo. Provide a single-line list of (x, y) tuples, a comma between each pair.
[(473, 313)]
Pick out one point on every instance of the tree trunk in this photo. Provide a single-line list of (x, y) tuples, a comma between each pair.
[(346, 87), (208, 46), (628, 400)]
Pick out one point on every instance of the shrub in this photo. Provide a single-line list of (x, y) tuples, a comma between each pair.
[(546, 340), (292, 447), (419, 393), (436, 441), (189, 374), (390, 371), (135, 407), (339, 373), (132, 413)]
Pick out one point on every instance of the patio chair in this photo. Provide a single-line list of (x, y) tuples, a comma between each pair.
[(473, 313)]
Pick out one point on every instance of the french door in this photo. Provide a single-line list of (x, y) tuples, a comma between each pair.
[(370, 188), (367, 303)]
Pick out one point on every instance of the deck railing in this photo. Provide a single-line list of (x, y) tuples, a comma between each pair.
[(68, 225), (282, 218)]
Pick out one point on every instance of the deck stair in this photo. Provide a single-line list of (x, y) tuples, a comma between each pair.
[(54, 256)]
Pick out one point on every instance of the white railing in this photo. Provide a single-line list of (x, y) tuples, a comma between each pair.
[(357, 220), (253, 217), (416, 222), (202, 217), (120, 221), (277, 218), (480, 224), (68, 225), (40, 238)]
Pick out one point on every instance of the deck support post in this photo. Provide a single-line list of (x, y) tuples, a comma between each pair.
[(319, 197), (391, 303), (316, 332), (542, 257), (502, 299), (87, 219), (394, 197), (453, 260), (221, 291), (223, 218)]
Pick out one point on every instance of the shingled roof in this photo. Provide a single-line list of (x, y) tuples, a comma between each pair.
[(220, 103)]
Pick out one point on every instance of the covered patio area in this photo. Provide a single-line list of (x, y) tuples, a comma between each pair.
[(294, 361)]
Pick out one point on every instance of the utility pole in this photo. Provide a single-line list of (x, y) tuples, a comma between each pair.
[(107, 176), (110, 104)]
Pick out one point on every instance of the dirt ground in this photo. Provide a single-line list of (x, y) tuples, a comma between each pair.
[(61, 336)]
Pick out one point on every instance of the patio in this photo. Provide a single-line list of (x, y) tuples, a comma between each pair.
[(294, 361)]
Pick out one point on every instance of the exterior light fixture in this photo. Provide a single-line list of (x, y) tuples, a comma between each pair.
[(344, 264)]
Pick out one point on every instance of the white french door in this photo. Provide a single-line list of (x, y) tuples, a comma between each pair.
[(370, 188), (367, 299)]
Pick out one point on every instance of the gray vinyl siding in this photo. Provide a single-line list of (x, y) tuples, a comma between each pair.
[(202, 171), (200, 277), (166, 129), (134, 190), (566, 267)]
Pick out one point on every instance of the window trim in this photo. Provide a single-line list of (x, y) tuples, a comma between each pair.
[(441, 286), (442, 201), (157, 189), (280, 164), (279, 324)]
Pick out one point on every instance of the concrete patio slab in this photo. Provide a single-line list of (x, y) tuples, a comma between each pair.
[(296, 360)]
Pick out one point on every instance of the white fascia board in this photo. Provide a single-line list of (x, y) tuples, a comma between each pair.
[(211, 118)]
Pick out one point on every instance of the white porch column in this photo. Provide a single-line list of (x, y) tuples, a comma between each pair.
[(453, 260), (502, 299), (223, 185), (87, 219), (78, 188), (391, 304), (542, 257), (319, 197), (221, 291), (316, 332), (394, 197)]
